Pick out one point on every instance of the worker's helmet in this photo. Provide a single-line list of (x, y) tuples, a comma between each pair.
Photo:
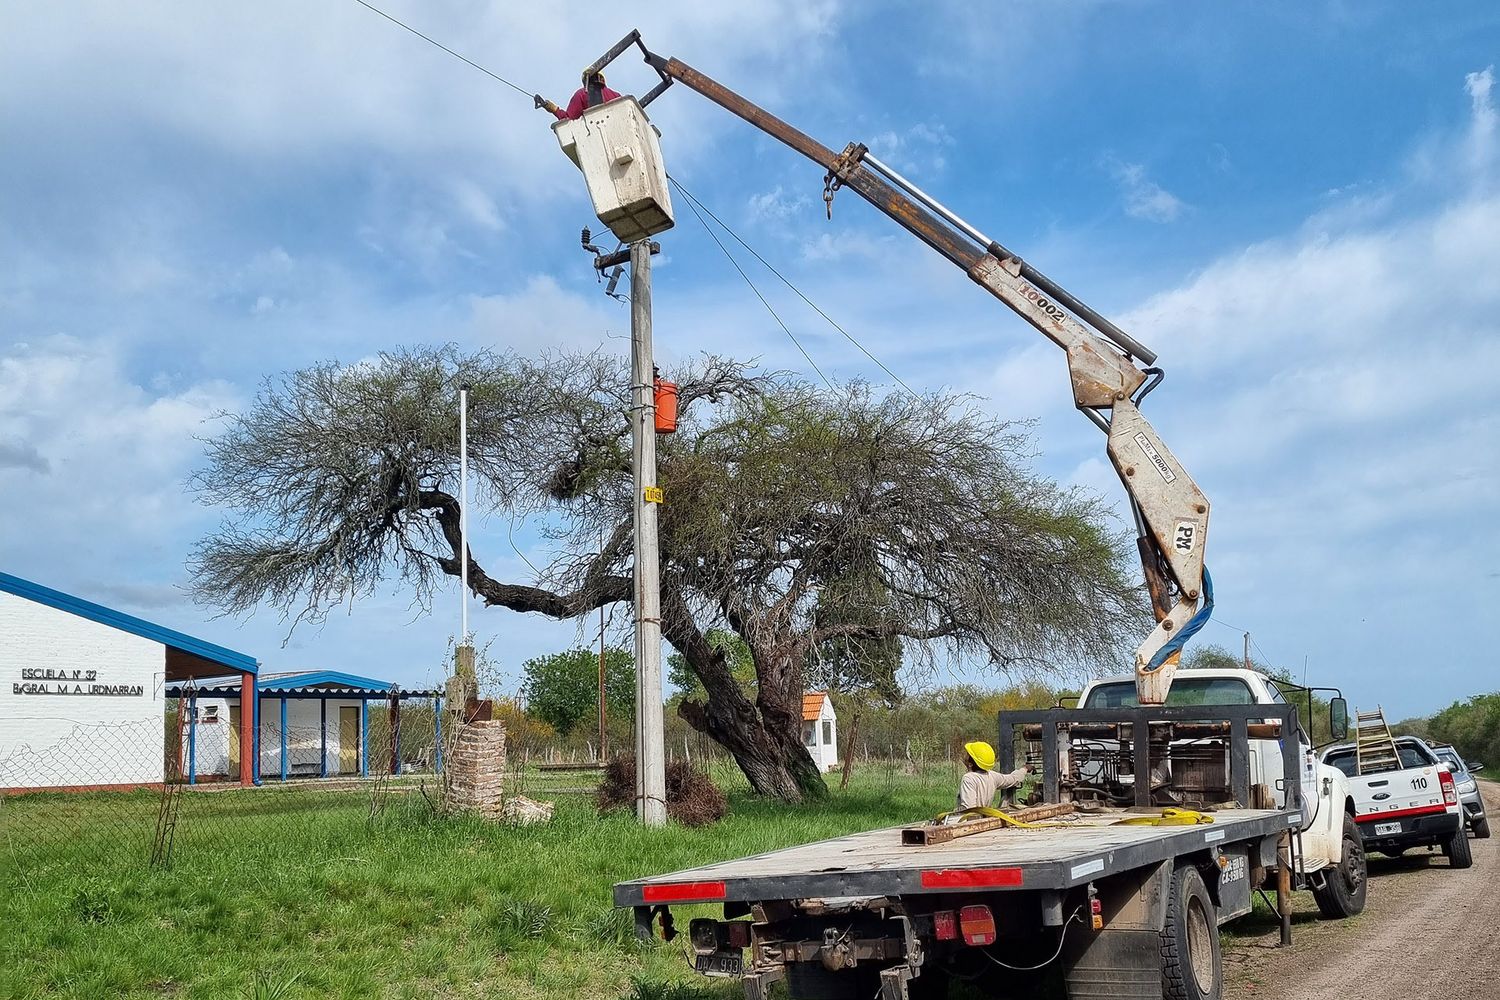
[(981, 753), (596, 75)]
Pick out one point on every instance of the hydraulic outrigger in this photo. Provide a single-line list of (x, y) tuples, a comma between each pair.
[(1111, 371)]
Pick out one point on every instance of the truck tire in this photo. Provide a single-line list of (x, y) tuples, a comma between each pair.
[(1192, 967), (1343, 891), (1457, 849), (1481, 828)]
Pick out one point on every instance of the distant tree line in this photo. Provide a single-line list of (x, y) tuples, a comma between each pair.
[(1472, 726)]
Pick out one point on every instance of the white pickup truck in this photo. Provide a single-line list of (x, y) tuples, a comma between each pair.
[(1332, 860), (1415, 806)]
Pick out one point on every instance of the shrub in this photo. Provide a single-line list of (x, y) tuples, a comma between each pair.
[(692, 797)]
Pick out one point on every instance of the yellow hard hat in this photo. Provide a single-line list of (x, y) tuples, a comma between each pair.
[(587, 75), (981, 753)]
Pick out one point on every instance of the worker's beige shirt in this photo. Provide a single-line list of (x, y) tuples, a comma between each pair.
[(978, 788)]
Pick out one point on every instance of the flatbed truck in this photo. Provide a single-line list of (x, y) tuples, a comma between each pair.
[(1117, 900)]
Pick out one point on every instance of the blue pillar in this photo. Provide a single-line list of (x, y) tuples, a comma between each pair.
[(283, 737), (193, 740), (323, 716), (437, 731), (364, 737)]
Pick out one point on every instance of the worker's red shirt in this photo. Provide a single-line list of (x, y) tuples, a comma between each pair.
[(580, 103)]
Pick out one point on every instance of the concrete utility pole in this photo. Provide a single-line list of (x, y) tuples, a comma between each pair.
[(1247, 650), (650, 749)]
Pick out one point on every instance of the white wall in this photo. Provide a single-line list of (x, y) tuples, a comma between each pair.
[(50, 739), (304, 735)]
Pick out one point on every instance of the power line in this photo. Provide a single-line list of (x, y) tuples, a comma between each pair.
[(787, 330), (432, 41), (693, 200)]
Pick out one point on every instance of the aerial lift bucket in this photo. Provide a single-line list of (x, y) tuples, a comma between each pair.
[(615, 145)]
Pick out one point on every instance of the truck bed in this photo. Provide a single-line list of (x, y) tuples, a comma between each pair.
[(878, 864)]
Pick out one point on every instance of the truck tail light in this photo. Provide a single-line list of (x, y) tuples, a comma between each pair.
[(1096, 914), (945, 925), (977, 924), (1450, 792), (704, 933)]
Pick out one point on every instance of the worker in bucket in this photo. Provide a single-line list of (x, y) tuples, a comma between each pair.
[(591, 93), (981, 781)]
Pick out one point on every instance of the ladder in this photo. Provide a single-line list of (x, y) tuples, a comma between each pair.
[(1374, 747)]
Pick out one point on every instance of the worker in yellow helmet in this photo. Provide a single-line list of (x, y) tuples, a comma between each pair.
[(980, 782)]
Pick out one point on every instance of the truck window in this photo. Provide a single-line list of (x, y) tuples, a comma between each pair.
[(1344, 762), (1186, 690), (1413, 755)]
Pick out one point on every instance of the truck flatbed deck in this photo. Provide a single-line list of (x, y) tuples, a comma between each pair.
[(876, 863)]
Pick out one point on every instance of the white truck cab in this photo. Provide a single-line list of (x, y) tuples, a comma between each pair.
[(1325, 790)]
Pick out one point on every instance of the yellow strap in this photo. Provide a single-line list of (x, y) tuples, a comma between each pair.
[(986, 812), (1169, 817)]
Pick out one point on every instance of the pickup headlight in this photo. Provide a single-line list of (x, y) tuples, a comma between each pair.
[(1465, 787)]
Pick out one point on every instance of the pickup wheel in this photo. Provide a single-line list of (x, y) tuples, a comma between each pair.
[(1481, 828), (1191, 964), (1343, 891), (1457, 849)]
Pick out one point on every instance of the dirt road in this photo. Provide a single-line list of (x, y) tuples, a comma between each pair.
[(1427, 931)]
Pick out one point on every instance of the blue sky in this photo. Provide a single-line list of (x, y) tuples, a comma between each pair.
[(1295, 204)]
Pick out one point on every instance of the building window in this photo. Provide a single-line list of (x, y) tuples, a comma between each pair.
[(210, 713), (827, 732), (807, 735)]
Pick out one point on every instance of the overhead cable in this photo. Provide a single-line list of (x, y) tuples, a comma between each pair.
[(693, 201), (432, 41)]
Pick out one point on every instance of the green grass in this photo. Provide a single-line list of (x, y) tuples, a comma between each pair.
[(291, 893)]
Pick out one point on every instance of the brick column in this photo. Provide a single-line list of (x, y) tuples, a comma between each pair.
[(247, 729)]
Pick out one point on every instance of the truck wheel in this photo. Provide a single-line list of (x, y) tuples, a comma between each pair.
[(1191, 964), (1457, 849), (1481, 828), (1343, 891)]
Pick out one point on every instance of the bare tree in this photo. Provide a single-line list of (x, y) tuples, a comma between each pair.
[(339, 478)]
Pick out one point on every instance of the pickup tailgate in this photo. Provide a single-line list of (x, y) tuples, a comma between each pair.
[(1383, 801)]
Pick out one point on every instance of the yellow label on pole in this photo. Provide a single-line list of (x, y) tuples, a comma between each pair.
[(653, 494)]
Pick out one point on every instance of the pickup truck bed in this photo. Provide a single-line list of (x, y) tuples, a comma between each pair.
[(878, 864)]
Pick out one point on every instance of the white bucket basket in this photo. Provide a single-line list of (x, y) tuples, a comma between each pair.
[(615, 146)]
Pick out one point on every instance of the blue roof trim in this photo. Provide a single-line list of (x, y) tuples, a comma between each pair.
[(240, 662), (319, 678)]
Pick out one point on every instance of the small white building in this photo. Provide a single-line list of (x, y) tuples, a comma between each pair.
[(820, 730), (83, 699)]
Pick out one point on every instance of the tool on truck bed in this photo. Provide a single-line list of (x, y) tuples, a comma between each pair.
[(1111, 372)]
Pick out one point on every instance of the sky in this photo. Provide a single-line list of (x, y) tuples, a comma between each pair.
[(1297, 205)]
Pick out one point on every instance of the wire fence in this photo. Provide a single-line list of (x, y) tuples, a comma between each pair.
[(169, 790)]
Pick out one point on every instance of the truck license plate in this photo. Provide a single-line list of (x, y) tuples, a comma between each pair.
[(720, 963), (1386, 829)]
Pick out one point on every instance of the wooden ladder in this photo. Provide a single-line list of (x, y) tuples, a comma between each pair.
[(1374, 747)]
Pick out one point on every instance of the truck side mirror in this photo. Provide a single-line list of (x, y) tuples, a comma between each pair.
[(1475, 768), (1338, 718)]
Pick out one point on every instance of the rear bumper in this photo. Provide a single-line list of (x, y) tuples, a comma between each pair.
[(1427, 828)]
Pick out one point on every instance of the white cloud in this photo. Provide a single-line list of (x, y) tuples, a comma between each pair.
[(1144, 198), (108, 455)]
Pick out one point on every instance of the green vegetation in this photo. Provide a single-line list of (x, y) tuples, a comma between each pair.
[(296, 893), (1472, 726), (563, 689)]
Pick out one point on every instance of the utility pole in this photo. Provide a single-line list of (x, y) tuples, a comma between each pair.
[(603, 719), (650, 751), (462, 686), (1247, 650)]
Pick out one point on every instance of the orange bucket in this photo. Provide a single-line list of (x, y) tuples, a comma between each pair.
[(666, 407)]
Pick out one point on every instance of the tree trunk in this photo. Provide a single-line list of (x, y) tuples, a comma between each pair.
[(765, 738)]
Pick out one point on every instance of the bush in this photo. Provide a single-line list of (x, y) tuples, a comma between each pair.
[(692, 798)]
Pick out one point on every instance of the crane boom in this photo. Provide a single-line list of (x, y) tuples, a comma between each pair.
[(1109, 370)]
